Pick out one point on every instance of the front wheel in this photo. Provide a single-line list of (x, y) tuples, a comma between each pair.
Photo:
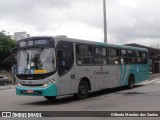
[(131, 82), (82, 90), (50, 97)]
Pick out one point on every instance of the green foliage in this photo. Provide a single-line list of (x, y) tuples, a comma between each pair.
[(6, 44)]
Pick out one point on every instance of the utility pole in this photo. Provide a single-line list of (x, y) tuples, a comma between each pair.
[(105, 21)]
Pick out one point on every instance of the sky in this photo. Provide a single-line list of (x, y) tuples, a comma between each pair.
[(128, 21)]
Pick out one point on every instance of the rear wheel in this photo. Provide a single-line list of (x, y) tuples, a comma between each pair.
[(50, 97), (131, 82), (82, 90)]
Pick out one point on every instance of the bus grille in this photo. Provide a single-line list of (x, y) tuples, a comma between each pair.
[(34, 92), (30, 78), (32, 85)]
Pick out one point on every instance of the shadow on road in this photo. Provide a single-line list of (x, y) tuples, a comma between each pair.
[(92, 96)]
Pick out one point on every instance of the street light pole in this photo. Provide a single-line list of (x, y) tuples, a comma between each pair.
[(105, 21)]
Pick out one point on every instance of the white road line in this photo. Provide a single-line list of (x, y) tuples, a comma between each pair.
[(151, 81), (157, 82), (143, 81)]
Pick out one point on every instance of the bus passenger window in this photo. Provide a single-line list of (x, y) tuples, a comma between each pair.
[(113, 56), (144, 58), (84, 55), (137, 57), (130, 57), (123, 58), (100, 56)]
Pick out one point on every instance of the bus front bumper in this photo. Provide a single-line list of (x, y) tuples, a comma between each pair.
[(50, 90)]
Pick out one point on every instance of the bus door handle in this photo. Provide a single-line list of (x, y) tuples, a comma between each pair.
[(73, 76)]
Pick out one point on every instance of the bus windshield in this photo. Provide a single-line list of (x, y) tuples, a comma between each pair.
[(36, 61)]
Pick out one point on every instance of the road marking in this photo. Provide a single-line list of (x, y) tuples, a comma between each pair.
[(143, 81), (157, 82), (151, 81)]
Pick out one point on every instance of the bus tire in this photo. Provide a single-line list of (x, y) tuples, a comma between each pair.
[(82, 90), (50, 97), (131, 82)]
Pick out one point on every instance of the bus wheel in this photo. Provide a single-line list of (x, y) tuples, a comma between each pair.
[(82, 90), (131, 82), (50, 97)]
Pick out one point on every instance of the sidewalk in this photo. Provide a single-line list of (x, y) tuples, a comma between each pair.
[(7, 87), (154, 75)]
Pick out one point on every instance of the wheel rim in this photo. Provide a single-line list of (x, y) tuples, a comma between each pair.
[(82, 89)]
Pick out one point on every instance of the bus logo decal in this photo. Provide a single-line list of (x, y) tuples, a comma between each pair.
[(101, 72)]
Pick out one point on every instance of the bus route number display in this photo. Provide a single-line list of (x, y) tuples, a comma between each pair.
[(41, 42), (34, 42)]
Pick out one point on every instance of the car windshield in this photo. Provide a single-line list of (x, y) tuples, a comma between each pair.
[(36, 61)]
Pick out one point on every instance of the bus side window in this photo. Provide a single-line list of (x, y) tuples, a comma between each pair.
[(100, 55), (144, 58), (113, 56), (84, 54), (123, 58), (137, 57), (130, 57)]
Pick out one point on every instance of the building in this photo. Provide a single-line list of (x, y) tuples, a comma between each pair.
[(19, 35)]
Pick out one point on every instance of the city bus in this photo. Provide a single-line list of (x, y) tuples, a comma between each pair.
[(57, 66)]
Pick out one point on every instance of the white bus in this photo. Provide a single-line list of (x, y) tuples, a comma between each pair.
[(56, 66)]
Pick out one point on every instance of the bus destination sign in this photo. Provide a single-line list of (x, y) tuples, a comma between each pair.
[(31, 42)]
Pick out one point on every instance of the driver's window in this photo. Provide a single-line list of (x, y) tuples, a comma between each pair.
[(64, 57)]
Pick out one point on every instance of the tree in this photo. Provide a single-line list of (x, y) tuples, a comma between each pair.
[(6, 44)]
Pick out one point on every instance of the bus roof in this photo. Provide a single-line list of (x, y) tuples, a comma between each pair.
[(65, 38), (58, 38)]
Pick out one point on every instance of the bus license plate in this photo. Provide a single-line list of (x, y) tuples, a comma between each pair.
[(30, 91)]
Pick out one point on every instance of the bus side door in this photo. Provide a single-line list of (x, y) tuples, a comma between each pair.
[(65, 60)]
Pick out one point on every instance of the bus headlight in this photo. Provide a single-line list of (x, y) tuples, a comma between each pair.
[(18, 84), (49, 82), (46, 84), (52, 81)]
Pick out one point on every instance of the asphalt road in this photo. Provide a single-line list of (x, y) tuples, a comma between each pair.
[(144, 97)]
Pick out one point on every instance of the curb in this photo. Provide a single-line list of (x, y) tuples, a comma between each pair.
[(7, 87)]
